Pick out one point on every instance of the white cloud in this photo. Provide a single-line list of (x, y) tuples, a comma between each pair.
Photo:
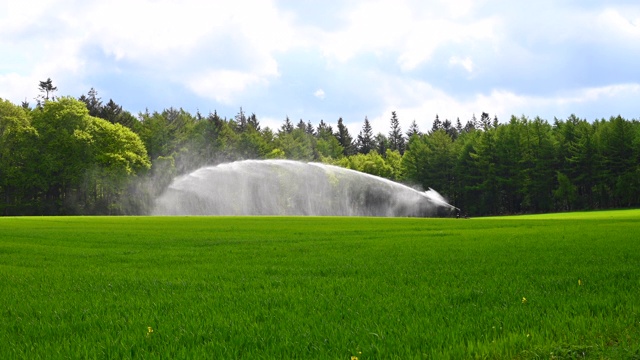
[(411, 31), (270, 122), (160, 36), (428, 35), (319, 94), (372, 26), (224, 85), (150, 28), (612, 21), (466, 63), (17, 18), (594, 94), (12, 84), (460, 8)]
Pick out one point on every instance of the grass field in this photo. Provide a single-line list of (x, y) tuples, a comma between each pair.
[(551, 286)]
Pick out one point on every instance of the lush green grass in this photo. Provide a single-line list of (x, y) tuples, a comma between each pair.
[(329, 288)]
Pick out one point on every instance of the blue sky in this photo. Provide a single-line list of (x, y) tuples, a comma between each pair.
[(315, 60)]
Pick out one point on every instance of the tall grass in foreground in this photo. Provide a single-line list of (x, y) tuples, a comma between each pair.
[(327, 288)]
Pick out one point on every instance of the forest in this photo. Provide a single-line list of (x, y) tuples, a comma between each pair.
[(81, 156)]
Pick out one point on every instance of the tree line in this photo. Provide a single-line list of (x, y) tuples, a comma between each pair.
[(84, 156)]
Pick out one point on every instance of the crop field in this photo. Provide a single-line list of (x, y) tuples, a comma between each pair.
[(560, 286)]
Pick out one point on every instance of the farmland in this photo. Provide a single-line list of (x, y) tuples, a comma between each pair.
[(548, 286)]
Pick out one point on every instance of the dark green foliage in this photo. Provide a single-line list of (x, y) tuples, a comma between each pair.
[(47, 89), (396, 138), (413, 130), (345, 139), (287, 127), (381, 143), (530, 166), (365, 141), (111, 112)]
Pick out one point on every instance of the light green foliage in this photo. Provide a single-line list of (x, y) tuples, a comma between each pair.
[(370, 163), (83, 161), (16, 133), (63, 144), (17, 138), (394, 161), (276, 154), (117, 149), (552, 286), (118, 155)]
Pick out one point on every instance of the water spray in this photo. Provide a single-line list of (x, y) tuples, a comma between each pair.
[(285, 187)]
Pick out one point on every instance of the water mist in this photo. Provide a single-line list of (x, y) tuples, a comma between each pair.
[(284, 187)]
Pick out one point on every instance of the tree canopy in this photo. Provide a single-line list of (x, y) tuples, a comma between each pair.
[(58, 159)]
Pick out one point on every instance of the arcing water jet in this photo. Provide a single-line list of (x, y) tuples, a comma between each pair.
[(284, 187)]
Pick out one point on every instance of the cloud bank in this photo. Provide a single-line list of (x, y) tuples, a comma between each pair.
[(315, 60)]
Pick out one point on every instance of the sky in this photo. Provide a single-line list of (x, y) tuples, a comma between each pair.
[(328, 59)]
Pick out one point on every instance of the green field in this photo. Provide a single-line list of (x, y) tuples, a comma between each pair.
[(549, 286)]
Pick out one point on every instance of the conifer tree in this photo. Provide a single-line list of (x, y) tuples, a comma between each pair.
[(253, 122), (459, 128), (344, 138), (365, 138), (396, 139), (301, 125), (413, 130), (323, 127), (287, 127), (241, 121), (437, 124), (309, 129), (381, 143), (47, 88), (93, 102)]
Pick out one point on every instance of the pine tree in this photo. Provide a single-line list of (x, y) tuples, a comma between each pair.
[(253, 122), (301, 125), (110, 112), (413, 130), (93, 102), (47, 88), (323, 127), (344, 138), (459, 126), (309, 129), (485, 120), (287, 127), (437, 124), (396, 139), (241, 121), (447, 126), (365, 138), (471, 125), (381, 144)]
